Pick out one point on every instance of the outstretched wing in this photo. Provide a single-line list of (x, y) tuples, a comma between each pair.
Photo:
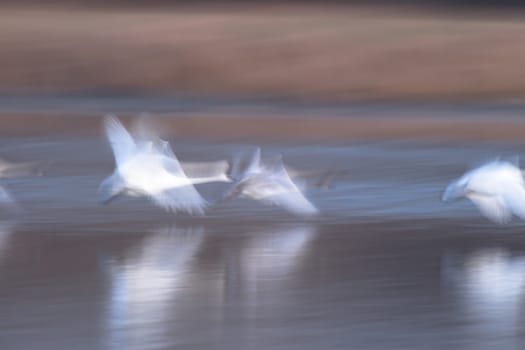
[(172, 165), (493, 208), (275, 167), (244, 164), (287, 194), (145, 132), (120, 140), (274, 186), (294, 202), (515, 199), (184, 199), (163, 152)]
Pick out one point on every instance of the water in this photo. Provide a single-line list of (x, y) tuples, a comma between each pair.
[(386, 266)]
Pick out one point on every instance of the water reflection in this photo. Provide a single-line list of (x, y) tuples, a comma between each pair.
[(274, 253), (490, 285), (6, 229), (259, 273), (145, 283), (266, 261)]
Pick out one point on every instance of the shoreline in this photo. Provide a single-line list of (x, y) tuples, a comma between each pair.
[(271, 127), (290, 126), (333, 55)]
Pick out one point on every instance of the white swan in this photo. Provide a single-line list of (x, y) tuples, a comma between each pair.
[(150, 168), (496, 188), (269, 183)]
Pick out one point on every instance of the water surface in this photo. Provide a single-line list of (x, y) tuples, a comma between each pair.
[(386, 265)]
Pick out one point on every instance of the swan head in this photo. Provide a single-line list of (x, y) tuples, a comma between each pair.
[(455, 191)]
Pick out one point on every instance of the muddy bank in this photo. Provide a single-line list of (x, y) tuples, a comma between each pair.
[(296, 126), (326, 53)]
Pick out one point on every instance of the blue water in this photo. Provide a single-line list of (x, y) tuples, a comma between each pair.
[(385, 266)]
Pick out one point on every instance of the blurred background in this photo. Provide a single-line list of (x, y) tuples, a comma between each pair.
[(397, 97), (272, 58), (301, 50)]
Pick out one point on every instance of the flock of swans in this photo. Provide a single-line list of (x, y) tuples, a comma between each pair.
[(146, 166)]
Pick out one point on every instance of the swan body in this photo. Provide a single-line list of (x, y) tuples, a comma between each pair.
[(269, 183), (496, 188), (151, 169)]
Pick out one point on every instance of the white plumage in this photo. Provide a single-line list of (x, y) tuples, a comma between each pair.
[(269, 183), (150, 168), (496, 188)]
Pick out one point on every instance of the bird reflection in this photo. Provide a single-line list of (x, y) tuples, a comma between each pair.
[(491, 286), (268, 258), (145, 283), (257, 271), (275, 252)]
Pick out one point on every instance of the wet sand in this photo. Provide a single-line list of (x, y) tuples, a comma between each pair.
[(385, 266)]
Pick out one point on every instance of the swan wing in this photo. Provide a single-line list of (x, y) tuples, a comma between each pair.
[(294, 202), (244, 165), (493, 208), (183, 198), (515, 199), (121, 142)]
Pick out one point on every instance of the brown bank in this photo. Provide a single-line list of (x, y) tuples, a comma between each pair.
[(331, 53)]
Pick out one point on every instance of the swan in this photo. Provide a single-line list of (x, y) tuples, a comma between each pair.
[(269, 183), (496, 188), (149, 168)]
